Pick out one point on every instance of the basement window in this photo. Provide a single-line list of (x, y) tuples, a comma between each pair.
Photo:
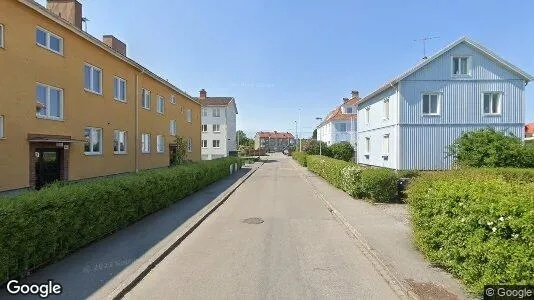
[(48, 40)]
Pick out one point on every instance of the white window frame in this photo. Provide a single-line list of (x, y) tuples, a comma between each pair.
[(100, 142), (146, 97), (47, 104), (48, 35), (189, 116), (204, 128), (189, 145), (468, 66), (2, 136), (385, 145), (117, 89), (216, 128), (145, 143), (173, 99), (218, 142), (387, 109), (160, 107), (205, 112), (367, 146), (339, 127), (117, 138), (160, 144), (2, 36), (204, 144), (216, 112), (438, 108), (367, 115), (91, 79), (499, 112), (172, 127)]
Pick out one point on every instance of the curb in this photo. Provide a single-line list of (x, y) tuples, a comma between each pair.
[(398, 286), (160, 254)]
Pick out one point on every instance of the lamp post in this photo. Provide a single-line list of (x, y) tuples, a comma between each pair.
[(320, 144)]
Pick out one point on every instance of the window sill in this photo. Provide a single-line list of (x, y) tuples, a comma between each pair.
[(120, 153), (92, 154), (158, 152), (145, 152), (51, 50), (431, 115), (492, 115), (93, 92), (3, 138), (121, 101), (216, 132), (145, 108), (49, 118)]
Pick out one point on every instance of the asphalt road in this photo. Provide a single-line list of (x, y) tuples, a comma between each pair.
[(300, 251)]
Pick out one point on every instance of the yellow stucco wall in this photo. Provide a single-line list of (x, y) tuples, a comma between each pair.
[(23, 64)]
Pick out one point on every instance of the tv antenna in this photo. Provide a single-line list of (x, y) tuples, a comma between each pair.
[(424, 43), (84, 21)]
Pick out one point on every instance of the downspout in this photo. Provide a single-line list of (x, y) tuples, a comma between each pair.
[(137, 144), (398, 142)]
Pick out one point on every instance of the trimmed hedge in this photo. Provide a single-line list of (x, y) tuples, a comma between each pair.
[(477, 224), (328, 168), (300, 157), (37, 228)]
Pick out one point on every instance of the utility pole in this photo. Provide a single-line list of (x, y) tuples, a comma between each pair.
[(300, 139), (424, 43), (317, 138)]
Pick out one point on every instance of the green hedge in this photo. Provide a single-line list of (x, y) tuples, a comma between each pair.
[(40, 227), (328, 168), (478, 224), (300, 157)]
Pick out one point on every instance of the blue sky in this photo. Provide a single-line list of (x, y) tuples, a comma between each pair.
[(276, 56)]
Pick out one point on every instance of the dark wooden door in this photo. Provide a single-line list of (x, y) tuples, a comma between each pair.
[(47, 167)]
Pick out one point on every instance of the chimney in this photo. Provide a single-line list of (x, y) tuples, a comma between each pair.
[(115, 44), (355, 94), (345, 100), (69, 10), (203, 94)]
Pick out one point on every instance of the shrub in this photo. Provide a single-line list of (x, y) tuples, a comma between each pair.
[(352, 179), (478, 224), (379, 184), (314, 147), (490, 148), (328, 168), (39, 227), (300, 157), (343, 151)]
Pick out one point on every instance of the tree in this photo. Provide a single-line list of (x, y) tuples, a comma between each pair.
[(179, 157), (314, 134), (342, 150), (242, 139), (490, 148), (314, 147)]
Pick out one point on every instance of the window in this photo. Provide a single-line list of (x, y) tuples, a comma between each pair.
[(161, 105), (93, 79), (145, 143), (49, 102), (367, 146), (189, 145), (1, 36), (216, 128), (119, 89), (341, 127), (386, 109), (93, 141), (172, 127), (385, 145), (367, 115), (2, 127), (348, 110), (430, 104), (492, 103), (204, 128), (160, 144), (216, 144), (204, 143), (119, 142), (145, 100), (460, 66), (49, 40), (205, 112), (189, 115), (216, 112), (173, 99)]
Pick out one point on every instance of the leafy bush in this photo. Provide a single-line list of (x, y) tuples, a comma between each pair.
[(491, 148), (300, 157), (379, 184), (39, 227), (352, 179), (478, 224), (343, 151), (328, 168), (314, 147)]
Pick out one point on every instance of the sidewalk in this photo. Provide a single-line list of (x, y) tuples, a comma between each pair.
[(386, 229), (100, 268)]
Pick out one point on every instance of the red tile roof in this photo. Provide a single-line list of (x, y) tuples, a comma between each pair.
[(529, 128), (275, 135), (338, 115)]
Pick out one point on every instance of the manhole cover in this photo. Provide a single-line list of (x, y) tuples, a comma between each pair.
[(253, 221)]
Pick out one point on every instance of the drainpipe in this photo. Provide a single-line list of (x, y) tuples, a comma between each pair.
[(137, 145)]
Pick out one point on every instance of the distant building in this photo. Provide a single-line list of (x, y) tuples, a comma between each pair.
[(529, 131), (273, 141), (340, 124), (218, 127), (409, 122)]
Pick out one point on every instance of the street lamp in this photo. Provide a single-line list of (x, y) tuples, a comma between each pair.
[(320, 144)]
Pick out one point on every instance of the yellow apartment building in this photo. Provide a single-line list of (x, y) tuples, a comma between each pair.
[(75, 107)]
